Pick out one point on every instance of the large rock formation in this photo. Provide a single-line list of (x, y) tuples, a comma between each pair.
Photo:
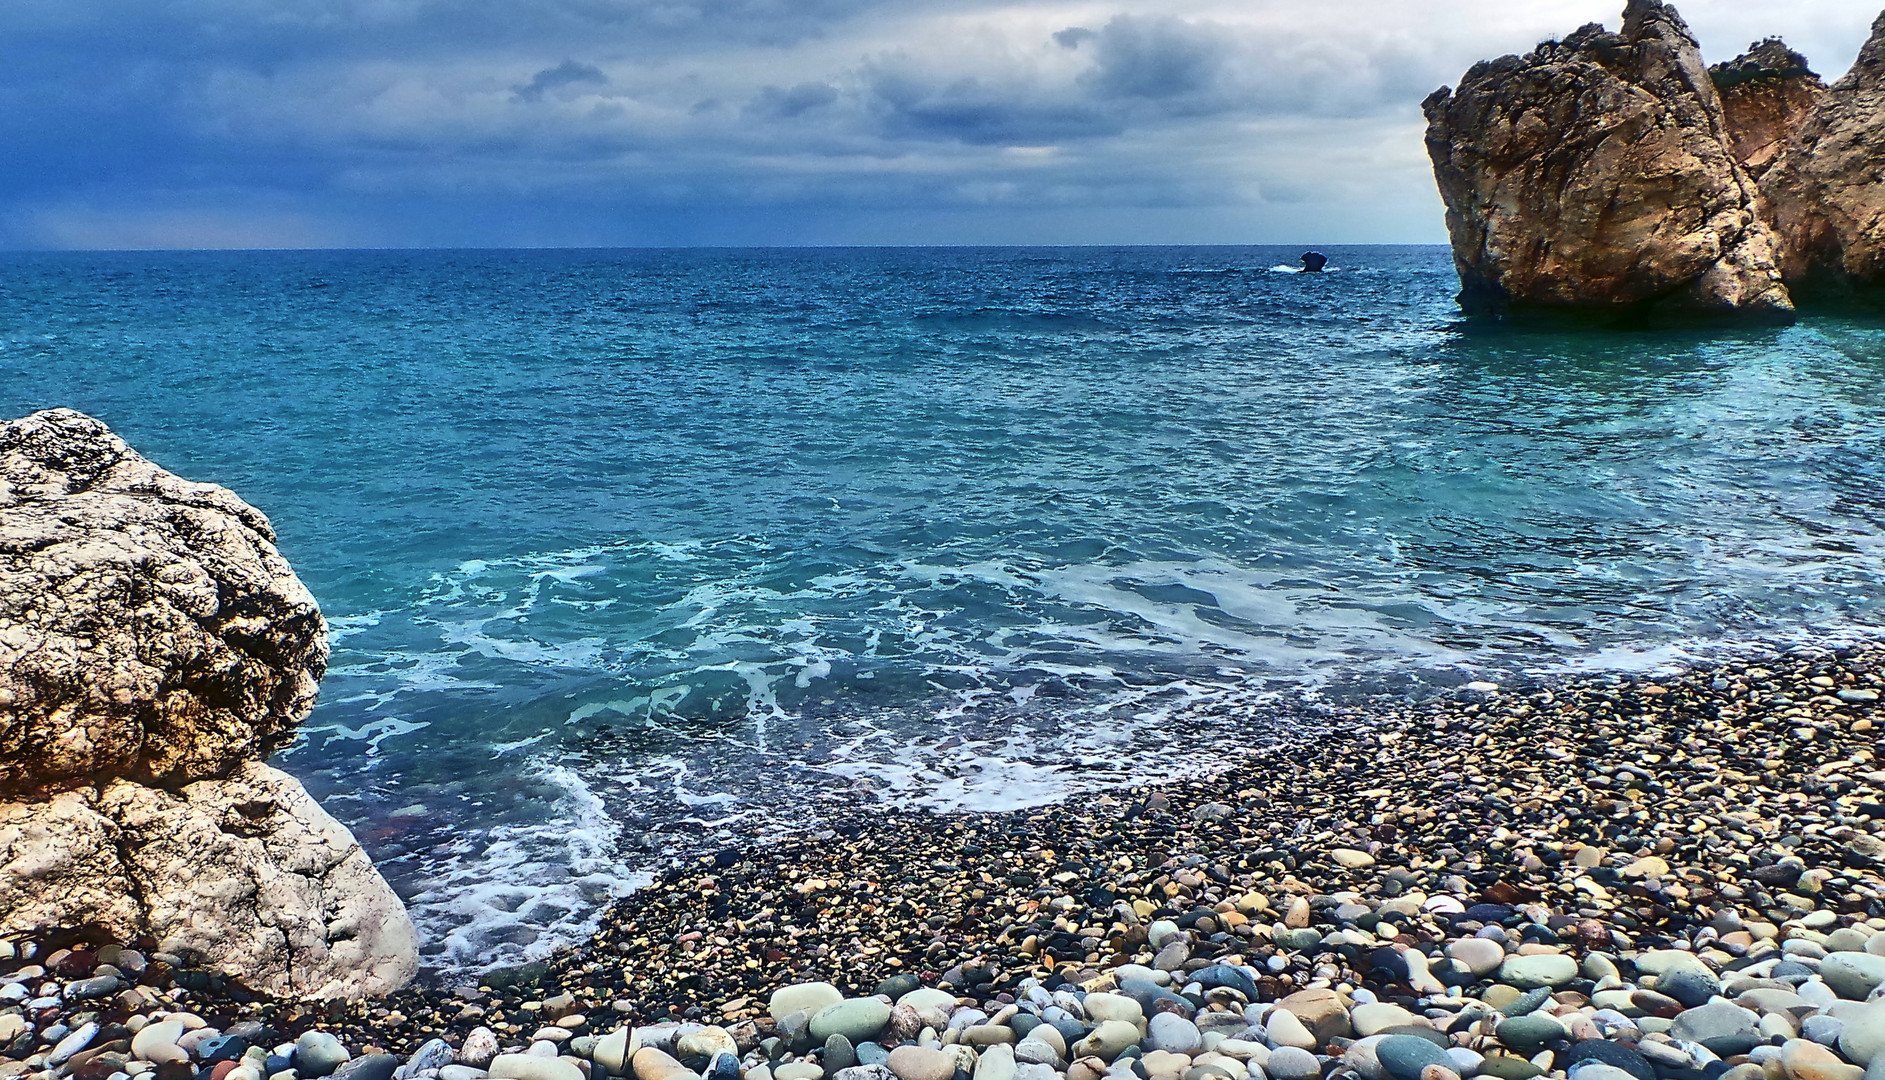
[(1767, 93), (248, 874), (148, 627), (1594, 174), (1827, 185), (153, 647)]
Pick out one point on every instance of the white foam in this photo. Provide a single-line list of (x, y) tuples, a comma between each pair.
[(516, 893), (1045, 682), (500, 749)]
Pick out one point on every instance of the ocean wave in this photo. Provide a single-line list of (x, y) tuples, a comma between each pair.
[(744, 691)]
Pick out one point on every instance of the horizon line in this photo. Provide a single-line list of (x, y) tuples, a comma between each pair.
[(6, 251)]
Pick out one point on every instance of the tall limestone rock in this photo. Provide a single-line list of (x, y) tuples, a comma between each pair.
[(1826, 187), (154, 646), (1596, 175), (1767, 94)]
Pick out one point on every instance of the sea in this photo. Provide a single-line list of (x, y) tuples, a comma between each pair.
[(634, 556)]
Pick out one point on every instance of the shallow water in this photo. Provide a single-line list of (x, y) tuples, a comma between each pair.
[(636, 553)]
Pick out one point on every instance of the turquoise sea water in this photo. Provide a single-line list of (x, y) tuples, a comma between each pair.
[(636, 554)]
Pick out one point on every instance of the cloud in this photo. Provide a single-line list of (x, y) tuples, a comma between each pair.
[(568, 73), (1159, 58), (728, 121), (777, 104)]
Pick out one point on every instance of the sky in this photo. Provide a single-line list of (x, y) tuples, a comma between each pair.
[(498, 123)]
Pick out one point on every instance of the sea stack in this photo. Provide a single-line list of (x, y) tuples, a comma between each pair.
[(154, 648), (1594, 175), (1826, 188)]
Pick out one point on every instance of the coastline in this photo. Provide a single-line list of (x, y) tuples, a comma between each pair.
[(1610, 819)]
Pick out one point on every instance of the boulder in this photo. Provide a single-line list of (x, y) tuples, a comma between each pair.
[(149, 630), (1594, 175), (154, 646), (246, 874), (1824, 188)]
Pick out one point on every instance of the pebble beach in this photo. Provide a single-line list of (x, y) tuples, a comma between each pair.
[(1667, 878)]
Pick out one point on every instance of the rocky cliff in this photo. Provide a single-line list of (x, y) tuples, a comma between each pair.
[(1767, 93), (1827, 184), (1614, 174), (1594, 174), (154, 646)]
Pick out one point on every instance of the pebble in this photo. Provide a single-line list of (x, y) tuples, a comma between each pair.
[(1293, 1063), (1528, 972), (368, 1067), (857, 1019), (1529, 1034), (811, 997), (72, 1044), (1489, 931), (318, 1054), (1853, 975), (921, 1063), (1405, 1057), (1173, 1034), (1480, 956), (530, 1067)]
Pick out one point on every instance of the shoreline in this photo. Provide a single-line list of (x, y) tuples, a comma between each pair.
[(1669, 804)]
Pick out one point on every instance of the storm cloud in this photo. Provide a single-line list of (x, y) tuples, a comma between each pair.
[(494, 122)]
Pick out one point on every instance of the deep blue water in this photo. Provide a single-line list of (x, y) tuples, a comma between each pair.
[(637, 553)]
